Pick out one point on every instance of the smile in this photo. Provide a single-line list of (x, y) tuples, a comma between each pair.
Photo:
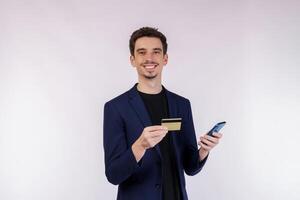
[(150, 66)]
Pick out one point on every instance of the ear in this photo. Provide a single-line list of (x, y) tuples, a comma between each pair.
[(132, 60), (165, 59)]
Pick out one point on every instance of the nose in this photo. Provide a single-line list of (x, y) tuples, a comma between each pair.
[(149, 57)]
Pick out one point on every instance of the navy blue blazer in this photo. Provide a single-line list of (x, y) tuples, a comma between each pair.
[(125, 117)]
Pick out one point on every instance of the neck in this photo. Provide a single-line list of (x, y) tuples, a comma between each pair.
[(149, 87)]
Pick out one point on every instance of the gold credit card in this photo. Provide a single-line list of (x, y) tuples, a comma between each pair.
[(173, 124)]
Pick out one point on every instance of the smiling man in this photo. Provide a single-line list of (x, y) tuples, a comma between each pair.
[(145, 158)]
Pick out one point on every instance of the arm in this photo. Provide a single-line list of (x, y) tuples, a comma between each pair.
[(150, 137), (120, 161), (191, 163)]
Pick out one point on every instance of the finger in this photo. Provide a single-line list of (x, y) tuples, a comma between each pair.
[(157, 133), (155, 140), (155, 128), (207, 142), (212, 139), (204, 146), (158, 139), (217, 135), (202, 141)]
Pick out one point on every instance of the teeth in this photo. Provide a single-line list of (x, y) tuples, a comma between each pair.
[(150, 67)]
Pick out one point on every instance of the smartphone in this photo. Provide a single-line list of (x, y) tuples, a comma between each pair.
[(216, 128)]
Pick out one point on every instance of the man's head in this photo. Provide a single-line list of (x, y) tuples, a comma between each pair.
[(147, 32), (148, 49)]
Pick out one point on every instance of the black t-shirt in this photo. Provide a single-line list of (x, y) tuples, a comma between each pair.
[(157, 107)]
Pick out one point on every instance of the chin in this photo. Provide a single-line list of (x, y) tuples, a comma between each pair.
[(150, 77)]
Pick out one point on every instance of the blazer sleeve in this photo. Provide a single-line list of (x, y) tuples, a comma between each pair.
[(191, 160), (120, 162)]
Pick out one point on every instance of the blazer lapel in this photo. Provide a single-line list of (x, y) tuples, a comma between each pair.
[(138, 106), (171, 104)]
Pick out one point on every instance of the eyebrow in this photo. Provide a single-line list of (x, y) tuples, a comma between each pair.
[(159, 49), (143, 49)]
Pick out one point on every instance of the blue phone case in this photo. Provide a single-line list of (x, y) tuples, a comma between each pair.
[(216, 128)]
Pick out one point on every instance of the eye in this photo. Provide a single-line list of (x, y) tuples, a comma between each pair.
[(141, 52), (156, 52)]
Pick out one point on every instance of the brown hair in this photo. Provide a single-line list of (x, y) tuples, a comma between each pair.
[(147, 32)]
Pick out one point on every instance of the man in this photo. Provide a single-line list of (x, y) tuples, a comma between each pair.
[(141, 156)]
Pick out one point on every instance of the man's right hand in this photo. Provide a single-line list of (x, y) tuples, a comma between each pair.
[(150, 137)]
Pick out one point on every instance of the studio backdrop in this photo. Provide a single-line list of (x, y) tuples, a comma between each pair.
[(60, 61)]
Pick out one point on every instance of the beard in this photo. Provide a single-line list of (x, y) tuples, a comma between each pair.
[(150, 77)]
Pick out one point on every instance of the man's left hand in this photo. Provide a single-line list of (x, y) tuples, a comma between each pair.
[(207, 143)]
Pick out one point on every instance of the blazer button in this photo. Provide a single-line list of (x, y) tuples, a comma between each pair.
[(157, 186)]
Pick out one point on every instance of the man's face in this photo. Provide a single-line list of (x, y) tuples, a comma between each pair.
[(148, 57)]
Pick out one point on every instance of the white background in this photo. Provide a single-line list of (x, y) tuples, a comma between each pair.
[(60, 61)]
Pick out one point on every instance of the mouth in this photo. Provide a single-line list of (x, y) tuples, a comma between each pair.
[(150, 66)]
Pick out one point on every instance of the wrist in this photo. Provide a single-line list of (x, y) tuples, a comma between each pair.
[(138, 146), (138, 150), (203, 153)]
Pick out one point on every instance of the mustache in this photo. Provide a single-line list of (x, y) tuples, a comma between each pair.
[(149, 62)]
